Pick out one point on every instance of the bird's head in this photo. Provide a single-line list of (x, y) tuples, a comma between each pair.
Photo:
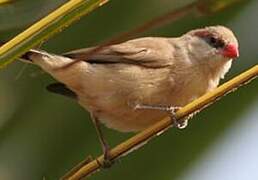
[(214, 43)]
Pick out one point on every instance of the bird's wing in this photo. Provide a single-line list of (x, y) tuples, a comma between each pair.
[(149, 52), (62, 89)]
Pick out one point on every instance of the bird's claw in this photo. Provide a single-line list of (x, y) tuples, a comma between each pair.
[(181, 123), (107, 161)]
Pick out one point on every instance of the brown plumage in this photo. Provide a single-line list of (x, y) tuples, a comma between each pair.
[(149, 71)]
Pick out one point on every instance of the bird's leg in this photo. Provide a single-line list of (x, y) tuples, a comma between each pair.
[(105, 148), (180, 124)]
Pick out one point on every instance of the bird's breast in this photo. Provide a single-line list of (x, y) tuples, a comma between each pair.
[(112, 96)]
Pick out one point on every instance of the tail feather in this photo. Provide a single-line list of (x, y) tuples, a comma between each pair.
[(44, 59), (28, 56)]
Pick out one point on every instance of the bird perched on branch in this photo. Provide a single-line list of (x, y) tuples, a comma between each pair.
[(130, 86)]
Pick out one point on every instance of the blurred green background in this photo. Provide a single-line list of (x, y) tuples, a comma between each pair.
[(44, 135)]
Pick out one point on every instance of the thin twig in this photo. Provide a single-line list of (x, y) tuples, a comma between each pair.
[(77, 167), (143, 137)]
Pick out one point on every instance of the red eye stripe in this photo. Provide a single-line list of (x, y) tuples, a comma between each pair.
[(203, 34)]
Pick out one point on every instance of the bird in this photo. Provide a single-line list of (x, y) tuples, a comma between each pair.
[(131, 85)]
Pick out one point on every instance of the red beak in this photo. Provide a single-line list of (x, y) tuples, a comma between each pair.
[(230, 51)]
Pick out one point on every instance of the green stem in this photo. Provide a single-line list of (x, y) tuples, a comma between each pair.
[(44, 28)]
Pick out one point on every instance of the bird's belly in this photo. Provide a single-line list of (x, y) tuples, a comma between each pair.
[(117, 110), (126, 118), (113, 99)]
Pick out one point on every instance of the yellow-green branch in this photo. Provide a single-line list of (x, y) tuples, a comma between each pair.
[(47, 26), (5, 1), (87, 168)]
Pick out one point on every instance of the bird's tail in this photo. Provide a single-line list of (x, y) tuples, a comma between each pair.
[(27, 56), (44, 59)]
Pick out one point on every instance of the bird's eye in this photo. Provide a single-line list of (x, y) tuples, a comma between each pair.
[(215, 42)]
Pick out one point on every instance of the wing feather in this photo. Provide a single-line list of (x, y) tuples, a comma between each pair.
[(151, 52)]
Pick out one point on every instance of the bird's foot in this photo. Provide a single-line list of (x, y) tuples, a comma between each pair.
[(107, 161), (180, 124)]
